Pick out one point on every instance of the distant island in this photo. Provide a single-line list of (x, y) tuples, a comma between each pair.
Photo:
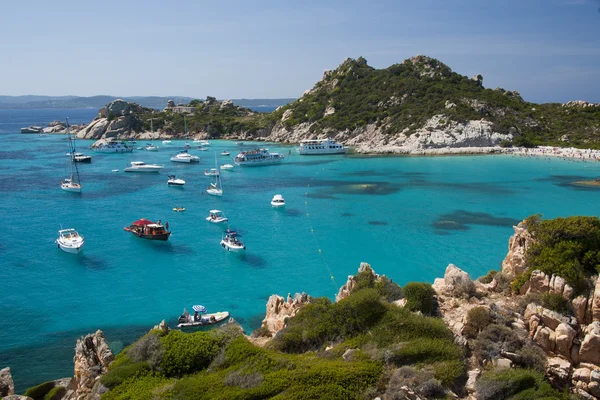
[(156, 102), (419, 106)]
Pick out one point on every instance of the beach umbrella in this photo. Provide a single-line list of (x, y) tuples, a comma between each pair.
[(200, 309)]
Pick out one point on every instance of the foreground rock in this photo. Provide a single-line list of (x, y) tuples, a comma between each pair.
[(279, 309), (514, 262), (7, 386), (92, 357)]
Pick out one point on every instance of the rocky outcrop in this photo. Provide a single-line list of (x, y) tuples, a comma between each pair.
[(346, 289), (280, 309), (118, 118), (7, 386), (92, 357), (590, 345), (455, 283), (514, 262)]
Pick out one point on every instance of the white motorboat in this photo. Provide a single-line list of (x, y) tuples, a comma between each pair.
[(320, 146), (257, 157), (232, 241), (211, 172), (69, 241), (224, 153), (278, 201), (200, 318), (32, 129), (200, 142), (72, 183), (174, 181), (114, 147), (215, 189), (185, 157), (82, 158), (202, 148), (151, 147), (226, 167), (166, 142), (216, 217), (140, 166)]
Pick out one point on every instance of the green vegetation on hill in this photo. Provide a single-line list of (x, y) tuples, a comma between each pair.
[(375, 348), (404, 96), (568, 247)]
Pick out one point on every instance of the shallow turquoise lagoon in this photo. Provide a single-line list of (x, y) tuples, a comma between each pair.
[(409, 217)]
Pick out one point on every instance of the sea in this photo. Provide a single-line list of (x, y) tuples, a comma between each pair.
[(409, 217)]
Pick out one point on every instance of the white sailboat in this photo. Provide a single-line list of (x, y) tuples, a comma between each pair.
[(73, 183), (215, 189), (151, 146)]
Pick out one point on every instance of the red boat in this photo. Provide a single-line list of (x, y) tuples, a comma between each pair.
[(147, 229)]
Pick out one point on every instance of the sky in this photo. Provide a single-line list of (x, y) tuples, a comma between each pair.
[(548, 50)]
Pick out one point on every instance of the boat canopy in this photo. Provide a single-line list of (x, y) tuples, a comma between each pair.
[(142, 222), (199, 308), (215, 211)]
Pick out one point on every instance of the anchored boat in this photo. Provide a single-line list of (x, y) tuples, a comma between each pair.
[(232, 241), (69, 241), (147, 229), (200, 317)]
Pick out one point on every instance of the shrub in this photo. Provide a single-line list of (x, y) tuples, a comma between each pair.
[(555, 301), (118, 375), (516, 384), (487, 278), (494, 339), (426, 351), (56, 393), (38, 392), (149, 348), (477, 319), (419, 297), (140, 388), (243, 380), (449, 372), (533, 357), (187, 353), (431, 389)]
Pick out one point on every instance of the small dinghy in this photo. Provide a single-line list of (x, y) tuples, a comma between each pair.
[(278, 201), (232, 241), (69, 241), (216, 217), (179, 209), (225, 153), (211, 172), (226, 166), (200, 317), (174, 181)]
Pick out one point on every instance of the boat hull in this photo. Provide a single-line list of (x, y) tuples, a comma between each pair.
[(180, 160), (142, 170), (229, 247), (216, 220), (69, 248), (257, 163), (180, 184), (320, 153), (205, 320), (214, 192), (71, 189), (87, 159), (162, 236), (277, 205), (116, 150)]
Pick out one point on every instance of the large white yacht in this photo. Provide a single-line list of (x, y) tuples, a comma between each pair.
[(320, 146), (114, 147), (257, 157), (185, 157), (140, 166)]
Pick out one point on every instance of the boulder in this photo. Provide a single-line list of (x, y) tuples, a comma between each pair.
[(594, 388), (7, 385), (558, 370), (95, 130), (545, 337), (552, 318), (16, 397), (568, 292), (564, 339), (92, 357), (163, 327), (582, 374), (456, 283), (514, 262), (579, 304), (287, 114), (502, 363), (279, 309), (590, 345), (226, 104), (117, 107), (346, 289), (557, 284), (170, 104), (539, 282), (472, 380), (596, 303)]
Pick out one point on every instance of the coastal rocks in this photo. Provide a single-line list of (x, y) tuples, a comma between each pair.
[(514, 262), (590, 345), (92, 357), (558, 370), (7, 385), (564, 339), (346, 289), (162, 327), (580, 104), (280, 309), (545, 338), (456, 282), (595, 309), (94, 130)]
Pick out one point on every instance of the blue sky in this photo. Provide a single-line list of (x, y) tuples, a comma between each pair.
[(548, 50)]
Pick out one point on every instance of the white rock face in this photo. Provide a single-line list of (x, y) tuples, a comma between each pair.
[(279, 309), (456, 282), (590, 346)]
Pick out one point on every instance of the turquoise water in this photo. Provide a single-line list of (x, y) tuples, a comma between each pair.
[(407, 216)]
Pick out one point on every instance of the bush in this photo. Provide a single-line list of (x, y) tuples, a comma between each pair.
[(243, 380), (516, 384), (426, 351), (493, 340), (149, 348), (141, 388), (118, 375), (431, 389), (56, 393), (477, 319), (419, 297), (450, 372), (555, 301), (532, 357), (187, 353), (38, 392)]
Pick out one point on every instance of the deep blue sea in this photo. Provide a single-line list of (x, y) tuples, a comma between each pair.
[(409, 217)]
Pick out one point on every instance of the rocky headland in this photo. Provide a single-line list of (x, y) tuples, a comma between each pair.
[(419, 107)]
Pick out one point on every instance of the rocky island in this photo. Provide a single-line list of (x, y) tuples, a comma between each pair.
[(419, 106), (530, 330)]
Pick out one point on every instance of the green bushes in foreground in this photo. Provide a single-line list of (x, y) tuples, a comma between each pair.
[(56, 393), (419, 297), (38, 392), (516, 384)]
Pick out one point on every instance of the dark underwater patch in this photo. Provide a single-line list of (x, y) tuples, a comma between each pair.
[(253, 260), (480, 188), (378, 223), (347, 214), (91, 262), (460, 219), (321, 195), (292, 212), (572, 182)]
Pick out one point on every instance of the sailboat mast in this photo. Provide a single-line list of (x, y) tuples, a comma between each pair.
[(184, 126), (72, 147)]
